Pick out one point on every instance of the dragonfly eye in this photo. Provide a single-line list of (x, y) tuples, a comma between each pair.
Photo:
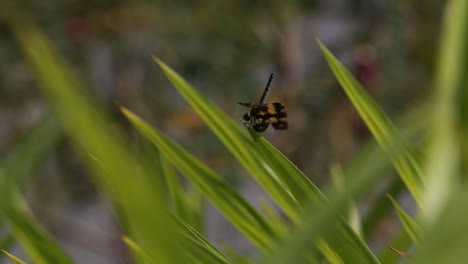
[(247, 118)]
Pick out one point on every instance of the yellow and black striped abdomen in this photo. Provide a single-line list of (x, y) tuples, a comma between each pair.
[(264, 115)]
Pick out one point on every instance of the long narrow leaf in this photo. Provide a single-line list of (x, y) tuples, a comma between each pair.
[(449, 114), (236, 141), (446, 236), (187, 204), (298, 183), (380, 125), (119, 174), (31, 149), (330, 255), (408, 223), (40, 247), (227, 200), (140, 254), (25, 156), (13, 258), (447, 239), (6, 241), (200, 248), (175, 188), (412, 125), (236, 257), (323, 220), (289, 175)]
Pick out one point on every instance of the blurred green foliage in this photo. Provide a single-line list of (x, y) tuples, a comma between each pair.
[(230, 47), (226, 49)]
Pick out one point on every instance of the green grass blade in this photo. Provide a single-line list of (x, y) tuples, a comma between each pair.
[(330, 255), (119, 173), (13, 258), (408, 223), (184, 204), (175, 188), (236, 141), (323, 220), (195, 210), (446, 236), (6, 241), (225, 198), (380, 125), (236, 257), (19, 163), (199, 253), (187, 204), (351, 214), (448, 145), (26, 155), (306, 191), (137, 251), (200, 248), (350, 247), (296, 182), (33, 239), (31, 149), (412, 125), (447, 239)]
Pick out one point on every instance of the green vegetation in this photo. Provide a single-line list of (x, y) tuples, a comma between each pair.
[(316, 227)]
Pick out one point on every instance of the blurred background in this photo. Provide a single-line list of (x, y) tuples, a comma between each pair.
[(226, 49)]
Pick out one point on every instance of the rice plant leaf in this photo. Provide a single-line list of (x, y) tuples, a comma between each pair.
[(175, 188), (413, 127), (35, 241), (448, 145), (240, 213), (187, 204), (236, 257), (184, 204), (351, 213), (446, 240), (28, 153), (323, 220), (137, 251), (199, 254), (236, 141), (294, 179), (7, 240), (19, 163), (13, 258), (380, 125), (291, 178), (25, 155), (199, 247), (119, 174), (446, 231), (330, 255), (31, 149), (307, 192), (194, 214), (408, 223)]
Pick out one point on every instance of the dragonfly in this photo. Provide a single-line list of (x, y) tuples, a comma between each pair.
[(262, 114)]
